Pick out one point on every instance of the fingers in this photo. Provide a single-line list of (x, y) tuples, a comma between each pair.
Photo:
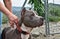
[(11, 24), (16, 21)]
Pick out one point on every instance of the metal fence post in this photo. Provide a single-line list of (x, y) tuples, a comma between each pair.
[(46, 17)]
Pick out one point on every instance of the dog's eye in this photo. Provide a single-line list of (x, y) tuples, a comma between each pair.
[(32, 14)]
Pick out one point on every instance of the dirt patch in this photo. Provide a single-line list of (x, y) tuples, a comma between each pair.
[(54, 28)]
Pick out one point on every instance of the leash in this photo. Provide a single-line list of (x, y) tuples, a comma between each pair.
[(17, 25)]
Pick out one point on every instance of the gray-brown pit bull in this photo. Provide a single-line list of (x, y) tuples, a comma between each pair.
[(29, 20)]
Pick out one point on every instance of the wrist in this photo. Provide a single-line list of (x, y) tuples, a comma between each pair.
[(9, 14)]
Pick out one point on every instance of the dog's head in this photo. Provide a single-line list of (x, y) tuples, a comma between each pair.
[(30, 19)]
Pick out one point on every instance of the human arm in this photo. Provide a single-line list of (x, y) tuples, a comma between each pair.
[(8, 4), (13, 19)]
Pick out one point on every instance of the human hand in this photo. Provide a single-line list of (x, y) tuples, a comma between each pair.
[(12, 20)]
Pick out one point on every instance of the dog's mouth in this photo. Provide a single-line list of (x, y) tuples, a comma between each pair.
[(41, 22)]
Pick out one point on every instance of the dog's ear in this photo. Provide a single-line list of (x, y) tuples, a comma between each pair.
[(22, 16), (23, 11)]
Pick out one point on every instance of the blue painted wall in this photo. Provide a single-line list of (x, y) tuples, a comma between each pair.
[(0, 23), (0, 19)]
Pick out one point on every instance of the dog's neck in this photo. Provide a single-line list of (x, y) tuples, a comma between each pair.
[(27, 29), (24, 28)]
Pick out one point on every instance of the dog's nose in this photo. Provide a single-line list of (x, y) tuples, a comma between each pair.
[(42, 19)]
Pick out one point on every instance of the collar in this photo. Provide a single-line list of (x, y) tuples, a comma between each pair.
[(20, 30)]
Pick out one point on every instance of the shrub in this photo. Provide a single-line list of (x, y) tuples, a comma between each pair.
[(55, 12), (4, 19), (54, 18)]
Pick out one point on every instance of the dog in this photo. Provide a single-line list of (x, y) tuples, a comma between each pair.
[(29, 20)]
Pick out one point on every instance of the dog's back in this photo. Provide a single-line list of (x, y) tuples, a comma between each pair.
[(8, 33)]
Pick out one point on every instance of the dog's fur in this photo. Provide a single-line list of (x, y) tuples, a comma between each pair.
[(28, 21)]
